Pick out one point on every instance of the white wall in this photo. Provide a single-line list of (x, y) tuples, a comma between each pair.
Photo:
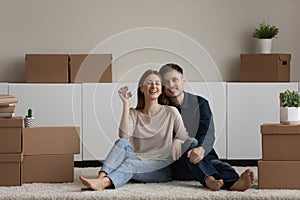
[(223, 28)]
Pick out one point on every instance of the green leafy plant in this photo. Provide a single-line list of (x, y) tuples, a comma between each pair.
[(265, 31), (290, 99), (29, 112)]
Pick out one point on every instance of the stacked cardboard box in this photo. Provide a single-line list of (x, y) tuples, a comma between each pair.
[(48, 154), (65, 68), (11, 156), (265, 67), (279, 167), (39, 154)]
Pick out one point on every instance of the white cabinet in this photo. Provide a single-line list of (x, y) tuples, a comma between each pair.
[(248, 106), (52, 104), (102, 109), (3, 88), (239, 109), (215, 93)]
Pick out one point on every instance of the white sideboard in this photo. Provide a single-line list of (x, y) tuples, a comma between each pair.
[(3, 88), (249, 105), (52, 104), (239, 109)]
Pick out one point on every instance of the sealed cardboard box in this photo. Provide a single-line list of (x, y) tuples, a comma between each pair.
[(278, 174), (280, 142), (265, 67), (11, 135), (51, 140), (10, 140), (48, 168), (11, 169), (90, 68), (11, 122), (47, 68)]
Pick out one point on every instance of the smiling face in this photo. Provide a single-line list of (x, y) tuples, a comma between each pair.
[(173, 82), (151, 87)]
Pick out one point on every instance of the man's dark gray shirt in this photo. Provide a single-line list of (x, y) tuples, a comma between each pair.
[(198, 121)]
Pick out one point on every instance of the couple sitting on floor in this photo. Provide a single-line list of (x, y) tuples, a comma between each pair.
[(169, 135)]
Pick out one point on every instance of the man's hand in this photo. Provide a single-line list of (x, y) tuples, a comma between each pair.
[(176, 149), (196, 154)]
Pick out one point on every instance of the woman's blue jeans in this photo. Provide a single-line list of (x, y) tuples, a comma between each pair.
[(122, 165)]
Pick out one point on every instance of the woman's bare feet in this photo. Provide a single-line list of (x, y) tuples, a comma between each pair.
[(213, 184), (96, 184), (245, 181), (101, 174)]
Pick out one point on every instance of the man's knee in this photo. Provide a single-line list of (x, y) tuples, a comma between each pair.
[(190, 143), (193, 142)]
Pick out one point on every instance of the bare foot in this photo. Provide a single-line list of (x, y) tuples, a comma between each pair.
[(213, 184), (101, 174), (245, 181), (96, 184)]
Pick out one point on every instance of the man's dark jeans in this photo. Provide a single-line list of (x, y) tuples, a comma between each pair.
[(209, 166)]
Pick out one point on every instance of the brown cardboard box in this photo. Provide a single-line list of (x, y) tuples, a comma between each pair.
[(278, 174), (11, 135), (90, 68), (280, 142), (11, 122), (265, 67), (51, 140), (47, 68), (48, 168), (11, 169), (10, 140)]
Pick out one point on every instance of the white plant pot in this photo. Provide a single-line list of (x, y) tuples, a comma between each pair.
[(264, 46), (290, 115), (29, 122)]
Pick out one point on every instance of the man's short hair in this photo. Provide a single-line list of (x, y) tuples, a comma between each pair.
[(168, 67)]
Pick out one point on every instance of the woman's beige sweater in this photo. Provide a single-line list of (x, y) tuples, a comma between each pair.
[(151, 137)]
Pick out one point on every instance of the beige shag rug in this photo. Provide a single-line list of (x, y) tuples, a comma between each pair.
[(170, 190)]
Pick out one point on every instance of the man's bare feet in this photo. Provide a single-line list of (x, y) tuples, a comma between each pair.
[(245, 181), (96, 184), (213, 184)]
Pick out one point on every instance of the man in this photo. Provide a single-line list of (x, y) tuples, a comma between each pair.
[(200, 162)]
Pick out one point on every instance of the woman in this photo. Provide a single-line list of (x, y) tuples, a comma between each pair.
[(147, 143)]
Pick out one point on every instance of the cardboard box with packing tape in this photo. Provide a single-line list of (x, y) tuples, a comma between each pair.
[(280, 142), (47, 68), (11, 135), (35, 155), (65, 68), (265, 67), (11, 169), (49, 154), (90, 68), (280, 164)]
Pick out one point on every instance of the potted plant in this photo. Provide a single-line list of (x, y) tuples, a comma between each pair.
[(290, 107), (29, 119), (264, 33)]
